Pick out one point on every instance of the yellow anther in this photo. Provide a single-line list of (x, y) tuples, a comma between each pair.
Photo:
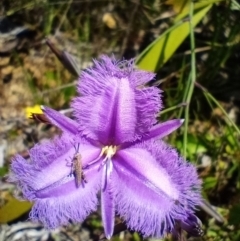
[(109, 151)]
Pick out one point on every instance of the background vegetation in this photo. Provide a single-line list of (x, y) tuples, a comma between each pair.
[(192, 46)]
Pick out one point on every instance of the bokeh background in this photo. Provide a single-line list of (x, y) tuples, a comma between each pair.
[(194, 47)]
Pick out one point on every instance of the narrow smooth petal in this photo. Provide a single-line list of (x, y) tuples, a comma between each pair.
[(163, 129), (61, 121), (211, 211), (107, 201), (158, 131)]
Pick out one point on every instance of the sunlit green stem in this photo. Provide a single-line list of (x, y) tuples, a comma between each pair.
[(186, 88), (191, 80)]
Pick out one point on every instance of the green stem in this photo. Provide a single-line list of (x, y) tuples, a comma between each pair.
[(191, 80), (185, 95), (172, 108)]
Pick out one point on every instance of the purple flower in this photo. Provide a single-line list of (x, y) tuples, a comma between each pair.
[(113, 147)]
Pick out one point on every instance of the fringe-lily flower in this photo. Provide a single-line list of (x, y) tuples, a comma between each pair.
[(113, 146)]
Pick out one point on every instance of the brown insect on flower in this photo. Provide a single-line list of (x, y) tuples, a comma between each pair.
[(77, 169)]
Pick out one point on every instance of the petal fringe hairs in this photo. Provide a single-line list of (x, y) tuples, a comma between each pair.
[(117, 141)]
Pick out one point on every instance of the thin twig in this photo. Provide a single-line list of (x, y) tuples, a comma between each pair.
[(207, 94)]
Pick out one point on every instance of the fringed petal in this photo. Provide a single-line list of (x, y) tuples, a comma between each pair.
[(145, 196), (61, 121), (143, 165), (94, 79), (157, 188), (182, 173), (48, 179), (114, 117), (52, 161), (142, 208), (113, 107), (61, 204)]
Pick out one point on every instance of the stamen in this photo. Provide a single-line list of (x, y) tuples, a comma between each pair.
[(108, 151), (104, 182), (106, 173)]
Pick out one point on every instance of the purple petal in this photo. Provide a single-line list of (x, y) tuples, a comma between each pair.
[(61, 121), (182, 173), (107, 201), (142, 164), (114, 108), (58, 205), (163, 129), (142, 208), (35, 173), (52, 161), (158, 131), (192, 225), (47, 179), (152, 193), (111, 116), (142, 199), (94, 79)]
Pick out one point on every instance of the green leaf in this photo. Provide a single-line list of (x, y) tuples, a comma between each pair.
[(159, 52), (197, 7), (178, 5), (209, 183), (195, 148), (13, 209), (235, 5)]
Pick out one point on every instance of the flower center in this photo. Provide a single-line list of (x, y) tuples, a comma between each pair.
[(108, 152)]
